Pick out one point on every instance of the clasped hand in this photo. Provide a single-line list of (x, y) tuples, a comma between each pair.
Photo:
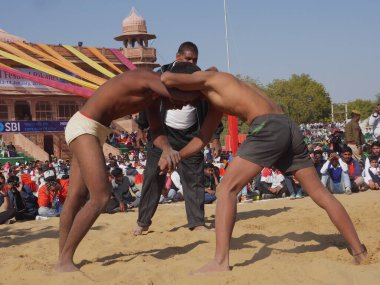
[(169, 160)]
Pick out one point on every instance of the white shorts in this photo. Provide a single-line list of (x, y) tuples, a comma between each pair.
[(79, 125)]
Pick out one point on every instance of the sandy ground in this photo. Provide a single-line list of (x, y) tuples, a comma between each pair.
[(274, 242)]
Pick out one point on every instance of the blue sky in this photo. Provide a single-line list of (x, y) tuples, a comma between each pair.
[(336, 42)]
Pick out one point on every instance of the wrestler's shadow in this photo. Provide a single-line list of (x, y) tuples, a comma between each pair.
[(241, 216), (323, 242), (159, 253), (10, 236)]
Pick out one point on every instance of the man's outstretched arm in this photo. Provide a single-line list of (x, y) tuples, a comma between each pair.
[(186, 82), (159, 138)]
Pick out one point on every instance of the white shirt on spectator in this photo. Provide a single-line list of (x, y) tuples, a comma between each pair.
[(374, 122), (176, 180)]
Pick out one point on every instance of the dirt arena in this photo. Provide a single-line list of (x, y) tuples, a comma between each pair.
[(274, 242)]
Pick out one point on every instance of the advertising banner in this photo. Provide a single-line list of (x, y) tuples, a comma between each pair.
[(10, 81), (32, 126)]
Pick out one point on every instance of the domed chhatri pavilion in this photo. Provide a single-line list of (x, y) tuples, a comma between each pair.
[(43, 85), (136, 39)]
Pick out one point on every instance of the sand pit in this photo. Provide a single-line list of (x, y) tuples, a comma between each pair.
[(274, 242)]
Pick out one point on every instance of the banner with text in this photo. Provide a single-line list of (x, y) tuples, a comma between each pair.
[(10, 81), (32, 126)]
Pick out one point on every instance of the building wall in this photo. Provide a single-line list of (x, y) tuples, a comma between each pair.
[(42, 108)]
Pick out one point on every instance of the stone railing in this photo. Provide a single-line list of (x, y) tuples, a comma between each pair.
[(141, 54)]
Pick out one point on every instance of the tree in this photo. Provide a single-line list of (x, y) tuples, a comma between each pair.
[(225, 130), (365, 107), (301, 97), (250, 80), (339, 111), (377, 100)]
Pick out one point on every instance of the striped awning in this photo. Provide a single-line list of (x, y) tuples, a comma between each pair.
[(65, 62)]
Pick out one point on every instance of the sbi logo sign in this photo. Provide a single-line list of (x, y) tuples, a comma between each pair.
[(9, 127)]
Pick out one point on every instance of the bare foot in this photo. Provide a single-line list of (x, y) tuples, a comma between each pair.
[(202, 228), (65, 267), (138, 231), (212, 267), (360, 257)]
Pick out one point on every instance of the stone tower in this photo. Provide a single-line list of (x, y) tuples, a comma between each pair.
[(135, 39)]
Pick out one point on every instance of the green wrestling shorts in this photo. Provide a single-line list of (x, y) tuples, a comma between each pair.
[(275, 140)]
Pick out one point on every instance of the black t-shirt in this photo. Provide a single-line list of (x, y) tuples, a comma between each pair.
[(23, 200)]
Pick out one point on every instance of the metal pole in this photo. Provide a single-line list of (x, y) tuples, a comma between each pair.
[(225, 24), (332, 112), (345, 111), (233, 128)]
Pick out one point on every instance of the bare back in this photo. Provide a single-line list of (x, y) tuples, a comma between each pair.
[(125, 94), (227, 93), (235, 97)]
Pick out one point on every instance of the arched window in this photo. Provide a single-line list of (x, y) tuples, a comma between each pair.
[(66, 109), (44, 111), (3, 110)]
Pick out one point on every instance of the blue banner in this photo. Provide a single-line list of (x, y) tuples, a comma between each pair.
[(32, 126)]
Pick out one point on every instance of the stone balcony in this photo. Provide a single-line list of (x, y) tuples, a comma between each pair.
[(140, 54)]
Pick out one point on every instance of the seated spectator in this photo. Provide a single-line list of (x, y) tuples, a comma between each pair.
[(9, 213), (318, 161), (63, 170), (207, 153), (211, 181), (372, 175), (141, 157), (375, 150), (354, 170), (123, 136), (335, 141), (131, 155), (26, 179), (366, 153), (4, 150), (249, 192), (174, 188), (55, 164), (294, 187), (165, 190), (131, 170), (122, 199), (272, 184), (122, 164), (335, 175), (36, 175), (113, 164), (51, 195), (243, 195), (21, 199), (11, 150), (230, 156), (6, 169)]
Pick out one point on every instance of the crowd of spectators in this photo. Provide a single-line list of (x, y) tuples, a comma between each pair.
[(339, 171), (122, 138), (33, 190), (38, 189)]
